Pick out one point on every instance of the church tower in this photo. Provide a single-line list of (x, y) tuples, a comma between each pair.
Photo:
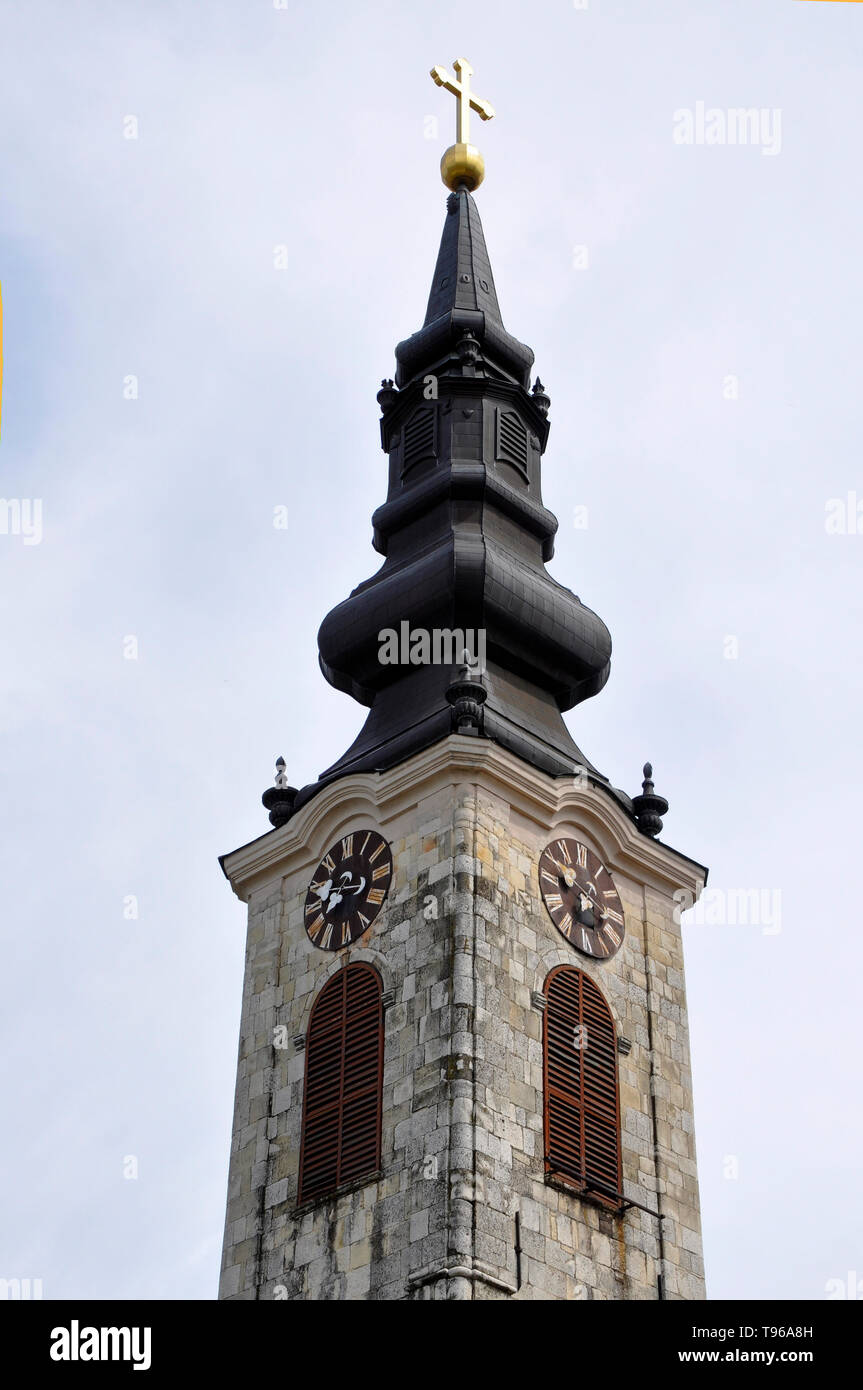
[(464, 1062)]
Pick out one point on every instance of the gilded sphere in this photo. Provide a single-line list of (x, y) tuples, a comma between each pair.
[(462, 164)]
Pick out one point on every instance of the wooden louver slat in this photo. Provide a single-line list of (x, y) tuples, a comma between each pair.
[(344, 1073), (582, 1115)]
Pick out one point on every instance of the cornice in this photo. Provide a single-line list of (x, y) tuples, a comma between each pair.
[(459, 760)]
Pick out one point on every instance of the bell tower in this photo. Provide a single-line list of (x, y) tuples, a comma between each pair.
[(464, 1065)]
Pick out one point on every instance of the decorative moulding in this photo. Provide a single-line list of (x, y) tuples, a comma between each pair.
[(553, 804)]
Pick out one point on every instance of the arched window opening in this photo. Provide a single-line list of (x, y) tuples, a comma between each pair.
[(582, 1111), (341, 1138)]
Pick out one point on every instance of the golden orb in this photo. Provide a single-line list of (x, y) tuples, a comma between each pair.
[(462, 164)]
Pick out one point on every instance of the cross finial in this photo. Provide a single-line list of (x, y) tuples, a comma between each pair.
[(462, 163)]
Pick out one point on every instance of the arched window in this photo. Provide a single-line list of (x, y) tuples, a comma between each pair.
[(341, 1138), (582, 1115)]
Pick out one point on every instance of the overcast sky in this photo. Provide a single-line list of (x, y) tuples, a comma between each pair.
[(703, 356)]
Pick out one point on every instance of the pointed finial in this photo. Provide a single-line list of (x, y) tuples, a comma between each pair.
[(387, 394), (541, 398), (279, 799), (462, 164), (467, 695), (648, 807), (467, 348)]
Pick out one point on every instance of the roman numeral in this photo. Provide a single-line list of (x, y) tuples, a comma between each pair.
[(375, 896), (607, 892), (316, 926), (565, 924), (613, 934), (582, 856), (585, 942), (563, 851), (365, 921), (328, 936), (545, 874), (365, 842), (615, 916), (381, 871), (380, 849), (346, 933), (329, 863), (553, 901), (347, 846)]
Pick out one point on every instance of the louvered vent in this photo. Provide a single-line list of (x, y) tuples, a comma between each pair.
[(344, 1067), (419, 438), (582, 1129), (512, 441)]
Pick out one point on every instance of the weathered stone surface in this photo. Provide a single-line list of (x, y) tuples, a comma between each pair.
[(462, 1135)]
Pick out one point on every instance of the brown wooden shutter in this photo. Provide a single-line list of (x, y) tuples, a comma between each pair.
[(582, 1116), (341, 1138)]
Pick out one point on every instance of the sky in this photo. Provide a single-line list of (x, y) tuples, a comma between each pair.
[(216, 222)]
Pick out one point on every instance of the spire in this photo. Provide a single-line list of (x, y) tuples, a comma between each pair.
[(463, 300), (465, 537), (462, 277), (464, 534)]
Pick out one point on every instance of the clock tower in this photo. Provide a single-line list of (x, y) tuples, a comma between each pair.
[(464, 1064)]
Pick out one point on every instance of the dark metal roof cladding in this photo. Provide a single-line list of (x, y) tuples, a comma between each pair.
[(465, 538), (463, 298)]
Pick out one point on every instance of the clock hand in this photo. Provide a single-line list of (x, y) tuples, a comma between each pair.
[(566, 872), (589, 899), (352, 887), (323, 890), (584, 910)]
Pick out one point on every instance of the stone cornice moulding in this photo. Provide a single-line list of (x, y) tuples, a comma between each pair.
[(457, 761)]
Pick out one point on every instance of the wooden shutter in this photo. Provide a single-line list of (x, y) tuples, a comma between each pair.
[(582, 1116), (341, 1138)]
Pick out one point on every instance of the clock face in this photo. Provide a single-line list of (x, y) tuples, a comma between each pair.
[(348, 889), (581, 898)]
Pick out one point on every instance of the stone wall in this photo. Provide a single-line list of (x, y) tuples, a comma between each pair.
[(463, 947)]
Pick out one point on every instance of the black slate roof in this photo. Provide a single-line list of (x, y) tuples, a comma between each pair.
[(465, 538)]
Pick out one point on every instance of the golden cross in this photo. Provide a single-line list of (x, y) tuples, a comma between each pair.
[(460, 88)]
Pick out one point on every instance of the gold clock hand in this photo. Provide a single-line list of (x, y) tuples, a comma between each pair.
[(566, 872)]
